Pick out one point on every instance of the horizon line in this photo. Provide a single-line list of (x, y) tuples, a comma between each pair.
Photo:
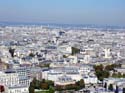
[(52, 23)]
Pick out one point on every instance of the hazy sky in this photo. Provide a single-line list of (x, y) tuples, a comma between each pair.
[(111, 12)]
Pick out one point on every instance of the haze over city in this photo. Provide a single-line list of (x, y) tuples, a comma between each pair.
[(100, 12)]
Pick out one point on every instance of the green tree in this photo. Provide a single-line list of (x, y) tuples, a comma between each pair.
[(75, 50), (119, 75), (37, 84), (82, 83), (58, 88), (51, 90), (114, 75), (79, 85), (105, 85), (11, 51), (46, 65), (34, 80), (50, 83), (123, 75), (32, 84), (105, 74), (98, 67), (110, 67), (110, 87), (64, 56), (43, 80), (31, 89), (32, 55), (100, 72)]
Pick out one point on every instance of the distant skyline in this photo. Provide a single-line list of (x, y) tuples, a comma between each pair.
[(100, 12)]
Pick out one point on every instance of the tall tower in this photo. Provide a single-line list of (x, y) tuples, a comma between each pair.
[(107, 53)]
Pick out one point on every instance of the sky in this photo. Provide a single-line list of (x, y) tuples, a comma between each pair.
[(102, 12)]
